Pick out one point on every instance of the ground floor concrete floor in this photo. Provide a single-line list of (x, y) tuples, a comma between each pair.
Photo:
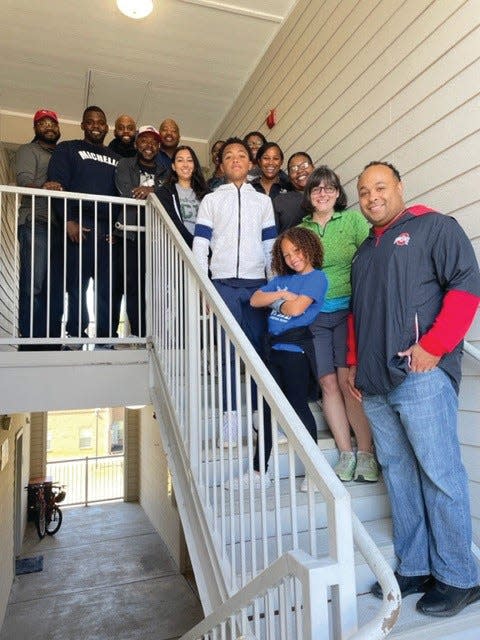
[(106, 575)]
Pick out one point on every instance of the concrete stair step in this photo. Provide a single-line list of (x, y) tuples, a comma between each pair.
[(253, 553), (369, 501), (315, 407), (412, 625), (222, 456)]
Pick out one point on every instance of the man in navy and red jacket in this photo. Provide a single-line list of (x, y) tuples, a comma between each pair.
[(415, 292)]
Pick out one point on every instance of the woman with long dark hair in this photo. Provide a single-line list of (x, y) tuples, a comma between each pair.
[(183, 190)]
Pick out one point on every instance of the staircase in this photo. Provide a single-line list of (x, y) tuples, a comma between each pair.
[(264, 559), (273, 564)]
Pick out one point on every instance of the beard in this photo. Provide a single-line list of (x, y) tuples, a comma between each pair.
[(50, 137)]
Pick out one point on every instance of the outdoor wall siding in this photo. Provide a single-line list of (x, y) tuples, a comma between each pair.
[(38, 444), (393, 80), (156, 492), (8, 295), (7, 488), (132, 443)]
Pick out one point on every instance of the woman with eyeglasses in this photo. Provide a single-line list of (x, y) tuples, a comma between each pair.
[(254, 140), (341, 233), (217, 178), (288, 206)]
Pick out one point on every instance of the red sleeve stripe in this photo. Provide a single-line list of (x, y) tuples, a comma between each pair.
[(351, 341), (452, 323)]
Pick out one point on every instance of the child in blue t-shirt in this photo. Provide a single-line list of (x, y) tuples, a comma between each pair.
[(296, 296)]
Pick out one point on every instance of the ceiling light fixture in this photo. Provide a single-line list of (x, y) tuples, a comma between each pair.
[(136, 9)]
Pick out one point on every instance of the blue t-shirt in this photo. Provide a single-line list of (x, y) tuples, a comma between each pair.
[(314, 285)]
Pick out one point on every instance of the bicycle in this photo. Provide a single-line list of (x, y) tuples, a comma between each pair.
[(43, 499)]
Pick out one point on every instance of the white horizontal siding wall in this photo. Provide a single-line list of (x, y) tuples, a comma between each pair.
[(383, 79), (8, 280)]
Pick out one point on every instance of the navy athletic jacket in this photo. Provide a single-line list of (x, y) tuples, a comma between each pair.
[(399, 281)]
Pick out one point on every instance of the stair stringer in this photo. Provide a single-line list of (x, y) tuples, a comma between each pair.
[(211, 574)]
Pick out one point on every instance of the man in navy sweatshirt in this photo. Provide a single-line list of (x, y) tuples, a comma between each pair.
[(87, 166)]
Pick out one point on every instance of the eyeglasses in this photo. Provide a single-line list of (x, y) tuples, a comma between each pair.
[(328, 190), (295, 168), (254, 145)]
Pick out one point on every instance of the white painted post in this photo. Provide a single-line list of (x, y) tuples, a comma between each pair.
[(193, 361), (86, 481), (315, 603)]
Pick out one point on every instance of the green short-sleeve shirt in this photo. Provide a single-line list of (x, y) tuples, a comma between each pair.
[(341, 237)]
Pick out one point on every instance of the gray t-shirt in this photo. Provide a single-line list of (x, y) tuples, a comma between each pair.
[(31, 169), (189, 204)]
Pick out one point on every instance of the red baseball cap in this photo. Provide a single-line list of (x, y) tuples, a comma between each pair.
[(45, 113)]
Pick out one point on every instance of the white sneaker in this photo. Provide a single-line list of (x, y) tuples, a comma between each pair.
[(305, 484), (230, 429), (244, 480)]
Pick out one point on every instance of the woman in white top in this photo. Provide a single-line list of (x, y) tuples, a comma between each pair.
[(183, 190)]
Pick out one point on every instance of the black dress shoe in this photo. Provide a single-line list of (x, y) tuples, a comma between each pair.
[(444, 600), (407, 584)]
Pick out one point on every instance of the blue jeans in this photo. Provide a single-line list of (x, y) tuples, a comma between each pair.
[(42, 306), (253, 321), (414, 427)]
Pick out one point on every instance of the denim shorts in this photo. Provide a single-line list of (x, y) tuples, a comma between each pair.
[(330, 341)]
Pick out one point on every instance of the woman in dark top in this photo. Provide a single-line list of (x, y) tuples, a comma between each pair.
[(270, 160), (254, 141), (183, 190), (217, 178)]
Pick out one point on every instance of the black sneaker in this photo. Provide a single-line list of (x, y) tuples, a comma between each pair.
[(444, 600), (407, 584)]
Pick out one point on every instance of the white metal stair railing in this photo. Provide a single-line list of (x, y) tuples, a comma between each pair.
[(471, 350), (55, 205), (199, 358), (291, 594), (287, 600)]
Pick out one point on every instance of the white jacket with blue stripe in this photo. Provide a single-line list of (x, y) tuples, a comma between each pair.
[(238, 225)]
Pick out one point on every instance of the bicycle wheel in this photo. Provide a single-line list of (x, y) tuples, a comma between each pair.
[(40, 519), (55, 521)]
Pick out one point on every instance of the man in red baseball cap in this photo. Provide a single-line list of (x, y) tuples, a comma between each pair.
[(45, 113), (33, 232)]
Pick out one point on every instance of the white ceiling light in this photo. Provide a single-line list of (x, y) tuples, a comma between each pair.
[(135, 8)]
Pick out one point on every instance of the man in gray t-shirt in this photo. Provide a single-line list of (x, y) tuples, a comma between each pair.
[(40, 303)]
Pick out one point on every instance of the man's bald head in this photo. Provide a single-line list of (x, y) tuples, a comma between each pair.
[(125, 129), (169, 135)]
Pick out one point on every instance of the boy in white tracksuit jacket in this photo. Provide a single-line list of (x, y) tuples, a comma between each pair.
[(237, 224)]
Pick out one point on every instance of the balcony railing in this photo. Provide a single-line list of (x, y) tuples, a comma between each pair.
[(61, 293), (89, 479)]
